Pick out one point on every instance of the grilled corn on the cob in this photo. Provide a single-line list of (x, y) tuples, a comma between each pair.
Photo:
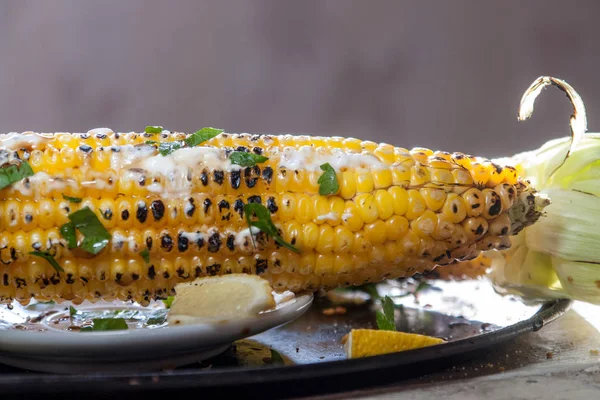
[(173, 212)]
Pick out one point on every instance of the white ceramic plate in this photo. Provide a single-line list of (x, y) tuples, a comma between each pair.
[(37, 337)]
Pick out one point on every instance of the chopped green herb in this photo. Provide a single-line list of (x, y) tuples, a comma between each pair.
[(422, 286), (276, 358), (153, 129), (14, 173), (202, 136), (48, 257), (71, 199), (67, 231), (106, 324), (385, 319), (264, 223), (246, 159), (168, 301), (145, 255), (72, 311), (95, 235), (328, 183)]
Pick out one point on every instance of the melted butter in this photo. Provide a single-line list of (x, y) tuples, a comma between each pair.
[(16, 140), (311, 158)]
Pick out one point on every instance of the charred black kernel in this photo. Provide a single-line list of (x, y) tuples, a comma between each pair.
[(142, 212), (242, 148), (117, 277), (255, 137), (188, 176), (204, 177), (151, 272), (454, 208), (448, 254), (181, 273), (182, 243), (198, 272), (84, 135), (495, 207), (267, 174), (115, 149), (117, 135), (277, 262), (27, 183), (207, 203), (459, 157), (223, 204), (125, 215), (135, 277), (213, 269), (218, 177), (200, 241), (261, 265), (107, 214), (191, 208), (28, 218), (214, 242), (142, 181), (235, 178), (504, 230), (251, 175), (474, 206), (20, 282), (55, 279), (272, 205), (498, 168), (479, 230), (37, 246), (166, 242), (166, 275), (102, 275), (238, 206), (13, 254), (149, 242), (85, 148), (231, 242), (282, 171), (475, 195), (5, 280), (158, 209), (246, 270), (254, 199), (257, 150), (293, 241), (101, 135), (84, 279)]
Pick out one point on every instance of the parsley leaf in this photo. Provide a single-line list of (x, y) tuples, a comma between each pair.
[(48, 257), (264, 223), (328, 183), (14, 173), (153, 129), (385, 319), (168, 301), (71, 199), (166, 148), (67, 231), (96, 236), (246, 159), (106, 324), (72, 311), (201, 136), (145, 255)]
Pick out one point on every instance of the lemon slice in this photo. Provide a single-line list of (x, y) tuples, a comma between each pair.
[(219, 298), (372, 342)]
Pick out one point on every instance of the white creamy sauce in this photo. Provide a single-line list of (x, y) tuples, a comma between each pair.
[(16, 140), (347, 215), (192, 236), (332, 216), (311, 158), (97, 131), (243, 238), (155, 187), (187, 209)]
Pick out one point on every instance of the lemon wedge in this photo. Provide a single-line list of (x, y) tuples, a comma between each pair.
[(372, 342), (218, 298)]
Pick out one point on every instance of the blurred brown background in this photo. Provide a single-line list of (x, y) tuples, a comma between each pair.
[(446, 74)]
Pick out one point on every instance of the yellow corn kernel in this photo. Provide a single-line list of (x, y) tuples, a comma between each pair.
[(434, 198), (425, 225), (396, 226), (454, 208), (400, 200), (367, 208), (416, 205), (364, 181)]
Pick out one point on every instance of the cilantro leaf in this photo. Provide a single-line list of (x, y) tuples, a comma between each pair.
[(385, 319), (67, 231), (72, 311), (96, 237), (145, 255), (153, 129), (106, 324), (201, 136), (71, 199), (166, 148), (48, 257), (168, 301), (246, 159), (14, 173), (264, 223), (328, 183)]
